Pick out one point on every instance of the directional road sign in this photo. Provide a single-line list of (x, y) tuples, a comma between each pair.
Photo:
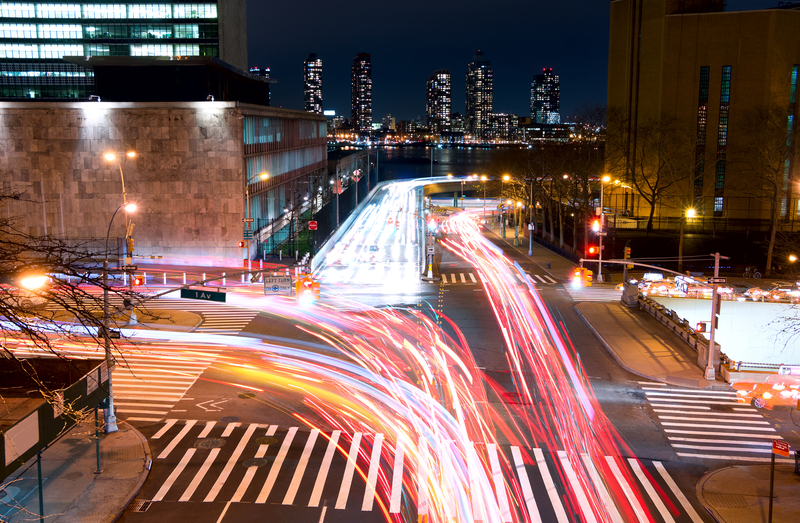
[(207, 295), (718, 281), (278, 285), (129, 267), (780, 447), (247, 220), (602, 233)]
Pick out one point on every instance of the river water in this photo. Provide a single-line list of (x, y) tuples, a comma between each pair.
[(415, 161)]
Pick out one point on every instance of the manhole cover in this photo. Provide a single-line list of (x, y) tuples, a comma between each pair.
[(247, 395), (255, 462), (267, 440), (209, 443), (72, 476), (229, 419)]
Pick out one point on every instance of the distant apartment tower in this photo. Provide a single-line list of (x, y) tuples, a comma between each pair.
[(312, 79), (546, 97), (361, 92), (439, 101), (36, 36), (479, 96)]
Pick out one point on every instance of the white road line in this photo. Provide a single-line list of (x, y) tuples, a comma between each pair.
[(224, 510), (735, 458), (675, 405), (714, 396), (207, 429), (540, 278), (729, 434), (472, 277), (718, 449), (551, 279), (175, 473), (695, 402), (463, 279), (169, 423), (251, 471), (288, 499), (347, 479), (142, 419), (651, 383), (475, 471), (141, 386), (137, 411), (177, 439), (234, 459), (187, 494), (712, 419), (499, 484), (552, 493), (701, 425), (166, 398), (725, 414), (276, 466), (648, 487), (626, 488), (397, 476), (164, 405), (372, 475), (725, 441), (422, 478), (319, 484), (525, 484), (678, 494), (577, 488), (600, 486), (133, 375), (687, 391), (229, 429)]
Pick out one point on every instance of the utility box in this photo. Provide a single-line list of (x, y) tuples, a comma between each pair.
[(630, 295)]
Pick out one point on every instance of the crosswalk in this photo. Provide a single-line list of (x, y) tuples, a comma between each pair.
[(597, 292), (469, 278), (206, 461), (711, 424)]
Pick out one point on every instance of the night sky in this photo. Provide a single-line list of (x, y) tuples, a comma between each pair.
[(410, 39)]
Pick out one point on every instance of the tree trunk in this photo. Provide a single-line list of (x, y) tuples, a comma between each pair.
[(561, 211), (680, 245), (652, 213), (550, 219), (772, 233)]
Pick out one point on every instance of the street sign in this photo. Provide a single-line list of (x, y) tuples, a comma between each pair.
[(248, 235), (430, 249), (602, 233), (207, 295), (247, 220), (718, 281), (278, 285), (113, 334), (129, 267), (780, 448), (312, 225)]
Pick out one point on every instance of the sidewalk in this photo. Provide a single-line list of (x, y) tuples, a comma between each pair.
[(72, 491)]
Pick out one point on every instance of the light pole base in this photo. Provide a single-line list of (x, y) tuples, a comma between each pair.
[(111, 421), (530, 252), (709, 374)]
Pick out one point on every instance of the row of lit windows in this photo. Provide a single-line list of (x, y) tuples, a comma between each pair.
[(93, 11), (116, 31), (48, 74), (58, 51), (51, 92)]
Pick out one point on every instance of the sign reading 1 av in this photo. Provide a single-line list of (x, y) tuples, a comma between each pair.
[(198, 294)]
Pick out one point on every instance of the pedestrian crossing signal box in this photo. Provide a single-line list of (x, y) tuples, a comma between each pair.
[(582, 277), (306, 289)]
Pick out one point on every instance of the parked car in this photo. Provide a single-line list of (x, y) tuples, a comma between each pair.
[(775, 390)]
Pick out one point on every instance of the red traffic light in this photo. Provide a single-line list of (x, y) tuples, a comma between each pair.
[(593, 250), (138, 281), (241, 245)]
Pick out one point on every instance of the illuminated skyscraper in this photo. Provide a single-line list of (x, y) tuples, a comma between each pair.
[(35, 37), (479, 96), (439, 102), (545, 97), (312, 77), (361, 92)]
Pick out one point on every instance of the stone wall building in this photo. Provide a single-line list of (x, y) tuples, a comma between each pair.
[(196, 167)]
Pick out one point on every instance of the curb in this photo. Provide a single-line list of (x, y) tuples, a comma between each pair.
[(699, 493), (611, 351), (530, 258), (148, 460)]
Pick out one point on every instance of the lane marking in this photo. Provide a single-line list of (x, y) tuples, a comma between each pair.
[(137, 411), (463, 279), (397, 476), (551, 279), (648, 487), (207, 429), (678, 493), (731, 449), (276, 466), (475, 471), (228, 504), (651, 383), (372, 476), (735, 458), (229, 429), (175, 473), (706, 425), (550, 486), (499, 484), (472, 277), (726, 414), (711, 419), (729, 434), (422, 479), (347, 479), (316, 494), (187, 494), (694, 402), (626, 488), (525, 484), (611, 509), (174, 443), (540, 278), (726, 441), (577, 488), (165, 428), (234, 459), (301, 468), (251, 471), (142, 419)]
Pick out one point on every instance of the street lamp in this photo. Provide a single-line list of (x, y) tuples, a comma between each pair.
[(110, 415), (261, 176), (483, 179), (502, 193), (111, 157), (516, 224), (605, 179)]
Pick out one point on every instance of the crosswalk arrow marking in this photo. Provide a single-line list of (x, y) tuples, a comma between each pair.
[(214, 406)]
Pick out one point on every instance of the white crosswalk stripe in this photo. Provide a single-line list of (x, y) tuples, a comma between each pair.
[(470, 278), (711, 424), (597, 292), (299, 467)]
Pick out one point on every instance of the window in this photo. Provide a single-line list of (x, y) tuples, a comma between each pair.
[(149, 11), (722, 138), (186, 31), (17, 31), (151, 50), (702, 121), (17, 10), (58, 11), (194, 11), (105, 11), (718, 206), (787, 162), (58, 51), (19, 51), (187, 50), (60, 31)]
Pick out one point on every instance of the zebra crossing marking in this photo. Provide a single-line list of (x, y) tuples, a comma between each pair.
[(301, 468), (177, 439), (677, 492), (276, 466), (251, 471), (397, 477), (319, 484), (550, 485), (611, 508), (525, 484), (352, 456), (648, 487), (499, 483), (627, 490), (577, 488), (223, 477), (372, 476)]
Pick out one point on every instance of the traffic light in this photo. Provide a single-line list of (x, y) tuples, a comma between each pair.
[(596, 225), (242, 244), (306, 290), (138, 281), (130, 243), (593, 250)]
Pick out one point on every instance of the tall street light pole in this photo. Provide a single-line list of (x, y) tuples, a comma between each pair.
[(530, 224), (602, 232), (110, 415), (262, 176), (483, 179), (502, 203), (111, 157)]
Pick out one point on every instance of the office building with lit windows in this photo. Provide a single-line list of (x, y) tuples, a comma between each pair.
[(479, 97), (439, 101), (361, 92), (546, 97), (728, 82), (35, 37), (312, 83)]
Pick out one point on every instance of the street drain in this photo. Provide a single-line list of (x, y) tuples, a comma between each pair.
[(255, 462), (247, 395), (267, 440), (209, 443), (141, 505), (228, 419)]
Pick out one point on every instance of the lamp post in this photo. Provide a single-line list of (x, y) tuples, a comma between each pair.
[(530, 225), (602, 232), (516, 224), (262, 176), (111, 157), (483, 179), (110, 415), (502, 193)]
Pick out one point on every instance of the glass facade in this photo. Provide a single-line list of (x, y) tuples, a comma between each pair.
[(546, 98), (722, 139), (787, 163), (439, 101), (312, 79), (702, 123), (35, 36), (361, 92), (480, 96)]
